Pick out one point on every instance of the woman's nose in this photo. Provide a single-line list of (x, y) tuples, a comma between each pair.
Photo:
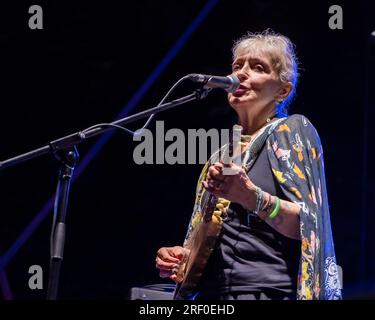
[(242, 73)]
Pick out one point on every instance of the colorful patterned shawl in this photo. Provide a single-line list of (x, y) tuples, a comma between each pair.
[(296, 158)]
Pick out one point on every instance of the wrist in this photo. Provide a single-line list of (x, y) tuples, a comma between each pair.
[(249, 199), (254, 200)]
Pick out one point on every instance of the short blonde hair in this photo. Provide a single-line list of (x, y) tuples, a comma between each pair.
[(280, 50)]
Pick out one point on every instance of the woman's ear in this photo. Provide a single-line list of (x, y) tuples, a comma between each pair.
[(285, 90)]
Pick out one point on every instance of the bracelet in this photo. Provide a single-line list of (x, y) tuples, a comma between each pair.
[(268, 207), (259, 201), (267, 204), (276, 209)]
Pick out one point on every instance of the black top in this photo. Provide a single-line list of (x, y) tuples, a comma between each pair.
[(250, 255)]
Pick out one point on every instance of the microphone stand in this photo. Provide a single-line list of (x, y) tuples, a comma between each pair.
[(68, 159), (64, 149)]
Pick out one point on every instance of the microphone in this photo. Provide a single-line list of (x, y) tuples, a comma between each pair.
[(229, 83)]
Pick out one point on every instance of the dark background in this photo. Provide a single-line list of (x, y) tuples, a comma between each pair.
[(88, 62)]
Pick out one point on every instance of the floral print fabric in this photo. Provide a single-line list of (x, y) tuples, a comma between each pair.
[(296, 158), (295, 155)]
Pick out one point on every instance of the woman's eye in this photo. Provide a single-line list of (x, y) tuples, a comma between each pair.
[(235, 67), (259, 67)]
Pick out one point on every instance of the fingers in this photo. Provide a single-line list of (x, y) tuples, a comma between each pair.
[(169, 273), (218, 190), (173, 277), (163, 265), (205, 185), (216, 172), (219, 184), (172, 255), (215, 180), (167, 255), (169, 261), (214, 177), (165, 274), (212, 185), (219, 165), (179, 252)]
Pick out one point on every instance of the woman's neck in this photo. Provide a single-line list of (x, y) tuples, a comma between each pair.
[(252, 122)]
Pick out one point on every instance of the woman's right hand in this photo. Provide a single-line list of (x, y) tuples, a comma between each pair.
[(169, 260)]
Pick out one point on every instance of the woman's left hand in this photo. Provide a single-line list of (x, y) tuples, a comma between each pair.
[(236, 187)]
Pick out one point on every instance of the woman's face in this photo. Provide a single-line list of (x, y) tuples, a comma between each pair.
[(260, 85)]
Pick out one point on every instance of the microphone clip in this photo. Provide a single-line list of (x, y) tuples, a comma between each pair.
[(202, 93)]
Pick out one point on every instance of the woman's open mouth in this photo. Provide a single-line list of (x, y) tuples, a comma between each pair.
[(240, 91)]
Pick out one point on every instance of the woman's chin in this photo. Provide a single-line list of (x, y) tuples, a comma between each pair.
[(238, 103)]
